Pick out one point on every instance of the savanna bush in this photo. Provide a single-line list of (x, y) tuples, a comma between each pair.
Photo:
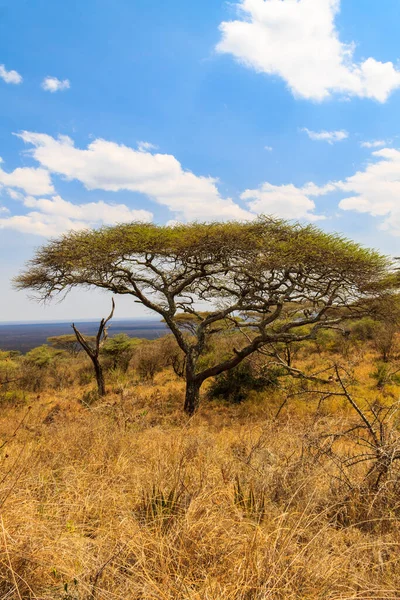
[(150, 358), (119, 350), (44, 367), (235, 385)]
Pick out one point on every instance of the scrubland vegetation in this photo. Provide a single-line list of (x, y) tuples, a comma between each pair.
[(251, 454), (279, 487)]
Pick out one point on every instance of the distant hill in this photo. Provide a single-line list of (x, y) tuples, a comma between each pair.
[(24, 337)]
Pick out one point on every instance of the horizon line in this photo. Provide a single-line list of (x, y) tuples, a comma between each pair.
[(70, 321)]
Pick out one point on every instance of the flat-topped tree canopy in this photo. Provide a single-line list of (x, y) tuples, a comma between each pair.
[(280, 276)]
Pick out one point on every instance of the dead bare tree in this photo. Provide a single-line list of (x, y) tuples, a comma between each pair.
[(92, 349), (365, 452), (375, 434)]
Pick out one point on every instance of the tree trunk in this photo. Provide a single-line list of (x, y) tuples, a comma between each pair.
[(93, 350), (192, 397), (101, 388)]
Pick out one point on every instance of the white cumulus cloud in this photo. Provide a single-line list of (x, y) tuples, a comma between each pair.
[(298, 41), (36, 182), (112, 167), (373, 190), (287, 201), (53, 84), (10, 76), (52, 216), (326, 136), (376, 189)]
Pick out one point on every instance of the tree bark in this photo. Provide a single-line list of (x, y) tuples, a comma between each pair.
[(93, 350), (192, 396), (193, 384), (101, 387)]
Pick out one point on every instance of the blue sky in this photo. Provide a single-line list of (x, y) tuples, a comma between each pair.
[(173, 111)]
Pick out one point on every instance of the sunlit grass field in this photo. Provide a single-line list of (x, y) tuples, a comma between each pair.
[(126, 498)]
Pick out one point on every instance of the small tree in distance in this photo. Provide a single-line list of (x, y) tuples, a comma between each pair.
[(67, 342), (270, 280)]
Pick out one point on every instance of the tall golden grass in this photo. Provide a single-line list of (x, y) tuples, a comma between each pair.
[(128, 499)]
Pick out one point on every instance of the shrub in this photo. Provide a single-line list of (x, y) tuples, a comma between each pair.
[(9, 367), (119, 350), (384, 374), (36, 367), (329, 340), (12, 397), (149, 359), (42, 356), (363, 330), (381, 333), (235, 385)]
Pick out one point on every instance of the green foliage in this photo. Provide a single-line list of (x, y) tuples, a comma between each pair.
[(269, 279), (329, 340), (236, 384), (13, 397), (42, 356), (275, 242), (381, 374), (363, 330), (120, 349), (382, 333), (38, 367), (67, 342), (9, 354), (9, 366), (384, 374)]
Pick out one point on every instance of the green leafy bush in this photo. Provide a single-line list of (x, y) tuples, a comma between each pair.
[(42, 356), (236, 384), (119, 350), (39, 368)]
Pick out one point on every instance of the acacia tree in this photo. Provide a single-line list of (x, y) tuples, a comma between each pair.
[(67, 342), (270, 280)]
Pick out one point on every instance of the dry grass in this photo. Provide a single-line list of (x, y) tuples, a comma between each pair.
[(128, 500)]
